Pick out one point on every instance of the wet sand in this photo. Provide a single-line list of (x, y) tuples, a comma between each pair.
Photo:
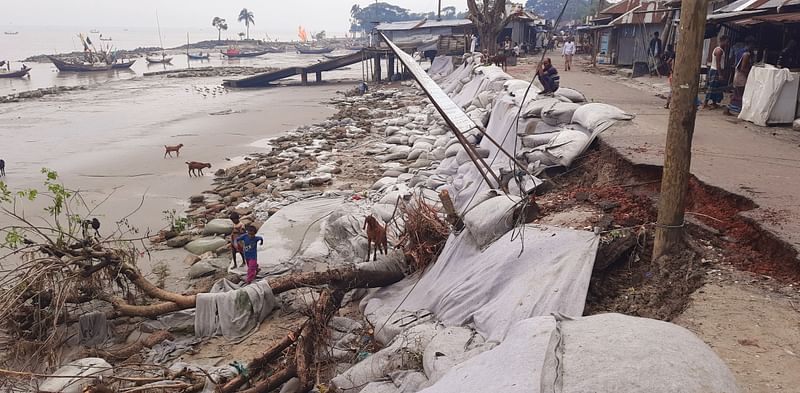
[(111, 139)]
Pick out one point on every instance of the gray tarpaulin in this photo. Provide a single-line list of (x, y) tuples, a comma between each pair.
[(500, 285), (232, 311)]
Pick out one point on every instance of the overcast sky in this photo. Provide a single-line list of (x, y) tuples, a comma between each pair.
[(270, 15)]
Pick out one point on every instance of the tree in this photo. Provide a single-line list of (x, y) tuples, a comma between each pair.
[(489, 18), (448, 12), (220, 24), (577, 9), (320, 36), (248, 19), (241, 35)]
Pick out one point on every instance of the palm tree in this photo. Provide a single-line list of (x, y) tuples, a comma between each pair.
[(220, 24), (248, 18)]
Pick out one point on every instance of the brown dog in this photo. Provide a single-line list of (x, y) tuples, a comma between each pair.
[(197, 166), (170, 149), (376, 234)]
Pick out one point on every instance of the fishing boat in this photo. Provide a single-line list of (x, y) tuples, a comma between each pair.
[(310, 50), (105, 38), (94, 31), (235, 53), (72, 66), (200, 56), (164, 59), (332, 57), (15, 74), (11, 32), (122, 65)]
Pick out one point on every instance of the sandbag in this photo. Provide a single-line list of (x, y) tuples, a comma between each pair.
[(537, 140), (571, 94), (204, 245), (559, 113), (491, 219), (515, 84), (534, 108), (59, 383), (596, 117), (218, 226)]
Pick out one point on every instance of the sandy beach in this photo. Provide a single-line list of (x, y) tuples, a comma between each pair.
[(129, 122)]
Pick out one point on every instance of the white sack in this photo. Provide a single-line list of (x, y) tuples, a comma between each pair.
[(596, 117), (761, 93), (491, 219), (571, 94), (535, 108), (559, 113)]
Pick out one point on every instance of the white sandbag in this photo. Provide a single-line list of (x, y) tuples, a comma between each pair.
[(218, 226), (391, 130), (453, 150), (449, 347), (67, 379), (796, 125), (544, 128), (537, 139), (383, 182), (491, 219), (571, 94), (515, 84), (534, 108), (596, 117), (761, 94), (399, 355), (559, 113), (563, 149), (204, 245)]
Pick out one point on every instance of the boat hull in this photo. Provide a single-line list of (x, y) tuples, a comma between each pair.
[(313, 51), (16, 74), (72, 67), (197, 57), (165, 60), (246, 54), (123, 65)]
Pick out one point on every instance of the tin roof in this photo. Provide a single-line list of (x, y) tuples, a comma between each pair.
[(644, 13), (422, 24), (750, 5)]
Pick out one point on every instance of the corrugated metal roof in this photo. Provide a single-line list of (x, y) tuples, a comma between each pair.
[(793, 17), (645, 13), (727, 16), (422, 24), (620, 8), (750, 5)]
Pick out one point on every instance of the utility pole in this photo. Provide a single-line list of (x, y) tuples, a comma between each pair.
[(678, 152), (439, 17)]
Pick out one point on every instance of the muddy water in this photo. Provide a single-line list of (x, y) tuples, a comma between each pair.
[(110, 139)]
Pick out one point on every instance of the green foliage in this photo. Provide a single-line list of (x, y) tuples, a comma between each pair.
[(576, 10), (361, 19), (161, 271), (176, 222)]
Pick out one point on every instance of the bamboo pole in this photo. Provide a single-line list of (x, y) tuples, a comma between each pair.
[(678, 152)]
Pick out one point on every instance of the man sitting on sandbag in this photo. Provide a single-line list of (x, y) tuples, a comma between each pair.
[(548, 76)]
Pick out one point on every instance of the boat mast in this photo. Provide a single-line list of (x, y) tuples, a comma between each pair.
[(160, 41)]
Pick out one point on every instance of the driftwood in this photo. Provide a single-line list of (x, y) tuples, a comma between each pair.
[(260, 362), (344, 278)]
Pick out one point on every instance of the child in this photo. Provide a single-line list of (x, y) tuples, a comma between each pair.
[(236, 247), (250, 242)]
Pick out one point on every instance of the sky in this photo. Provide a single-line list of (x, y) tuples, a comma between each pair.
[(277, 16)]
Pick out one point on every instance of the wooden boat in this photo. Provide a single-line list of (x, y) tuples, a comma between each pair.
[(198, 57), (332, 57), (11, 32), (235, 53), (123, 65), (156, 60), (78, 67), (308, 50), (15, 74)]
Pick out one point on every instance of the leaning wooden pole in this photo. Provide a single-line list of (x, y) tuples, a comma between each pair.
[(683, 109)]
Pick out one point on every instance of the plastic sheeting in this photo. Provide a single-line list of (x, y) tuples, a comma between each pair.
[(441, 66), (764, 85), (601, 353), (232, 311), (491, 288)]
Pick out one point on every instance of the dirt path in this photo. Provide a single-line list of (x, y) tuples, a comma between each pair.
[(752, 321)]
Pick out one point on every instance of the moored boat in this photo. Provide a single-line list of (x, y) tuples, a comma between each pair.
[(200, 56), (234, 53), (164, 59), (15, 74), (309, 50), (121, 65), (11, 32), (63, 65)]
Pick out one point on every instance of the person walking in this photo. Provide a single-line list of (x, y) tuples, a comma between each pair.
[(714, 83), (744, 62), (250, 242), (568, 51)]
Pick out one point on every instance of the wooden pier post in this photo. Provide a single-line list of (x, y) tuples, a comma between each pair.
[(319, 76), (304, 78), (378, 67), (390, 67)]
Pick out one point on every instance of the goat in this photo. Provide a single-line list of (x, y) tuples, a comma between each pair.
[(499, 60), (197, 166), (376, 234), (170, 149)]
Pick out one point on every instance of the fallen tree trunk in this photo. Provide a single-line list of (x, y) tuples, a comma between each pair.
[(259, 363), (344, 279), (313, 333), (274, 381)]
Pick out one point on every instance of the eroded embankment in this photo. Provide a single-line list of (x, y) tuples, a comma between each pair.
[(626, 279)]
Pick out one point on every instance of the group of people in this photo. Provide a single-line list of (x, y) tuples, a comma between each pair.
[(716, 76)]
